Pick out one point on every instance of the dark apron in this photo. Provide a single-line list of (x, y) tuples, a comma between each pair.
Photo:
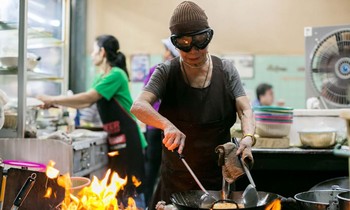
[(123, 136), (205, 116)]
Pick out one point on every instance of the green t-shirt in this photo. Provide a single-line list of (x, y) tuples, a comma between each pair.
[(116, 85)]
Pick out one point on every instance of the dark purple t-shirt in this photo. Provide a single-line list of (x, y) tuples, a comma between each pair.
[(157, 103)]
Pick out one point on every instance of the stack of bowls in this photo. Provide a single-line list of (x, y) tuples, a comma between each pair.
[(273, 121)]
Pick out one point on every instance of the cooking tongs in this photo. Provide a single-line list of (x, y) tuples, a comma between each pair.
[(244, 165), (250, 195)]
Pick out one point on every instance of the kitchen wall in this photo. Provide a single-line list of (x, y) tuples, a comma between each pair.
[(254, 26), (271, 30)]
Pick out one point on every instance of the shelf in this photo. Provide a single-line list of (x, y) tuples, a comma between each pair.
[(36, 38), (33, 76), (4, 71), (8, 133), (42, 76)]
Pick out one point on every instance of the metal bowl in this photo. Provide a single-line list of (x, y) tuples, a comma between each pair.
[(318, 139)]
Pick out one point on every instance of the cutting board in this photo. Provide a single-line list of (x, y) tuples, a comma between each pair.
[(272, 143), (35, 199)]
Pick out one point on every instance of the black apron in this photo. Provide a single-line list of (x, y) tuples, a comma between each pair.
[(123, 136), (205, 116)]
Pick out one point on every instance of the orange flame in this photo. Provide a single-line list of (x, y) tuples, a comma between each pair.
[(48, 193), (112, 154), (275, 205), (99, 195), (51, 172), (131, 204), (135, 181)]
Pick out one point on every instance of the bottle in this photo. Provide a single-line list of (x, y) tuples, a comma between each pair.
[(66, 124), (70, 122), (62, 124)]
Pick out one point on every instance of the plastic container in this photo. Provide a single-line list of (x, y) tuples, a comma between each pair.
[(272, 129)]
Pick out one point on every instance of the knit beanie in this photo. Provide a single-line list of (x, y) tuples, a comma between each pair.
[(188, 17)]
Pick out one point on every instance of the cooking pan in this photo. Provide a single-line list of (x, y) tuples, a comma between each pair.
[(190, 200)]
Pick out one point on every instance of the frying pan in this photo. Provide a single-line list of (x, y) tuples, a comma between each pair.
[(190, 200)]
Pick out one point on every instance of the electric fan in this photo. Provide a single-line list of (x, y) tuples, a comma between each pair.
[(327, 52)]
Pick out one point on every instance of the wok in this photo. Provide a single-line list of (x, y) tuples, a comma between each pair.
[(190, 200)]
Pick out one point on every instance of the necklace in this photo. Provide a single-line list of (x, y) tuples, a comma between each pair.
[(206, 76)]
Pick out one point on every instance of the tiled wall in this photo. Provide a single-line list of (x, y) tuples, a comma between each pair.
[(285, 73)]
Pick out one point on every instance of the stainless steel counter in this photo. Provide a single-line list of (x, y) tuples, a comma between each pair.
[(81, 158)]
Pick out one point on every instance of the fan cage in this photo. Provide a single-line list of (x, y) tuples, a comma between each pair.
[(329, 68)]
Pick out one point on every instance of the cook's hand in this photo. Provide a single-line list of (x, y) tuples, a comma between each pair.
[(174, 138), (48, 101), (245, 149)]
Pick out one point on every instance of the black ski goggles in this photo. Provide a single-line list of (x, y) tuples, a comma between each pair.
[(199, 39)]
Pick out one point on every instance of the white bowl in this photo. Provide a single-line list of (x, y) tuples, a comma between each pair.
[(12, 61)]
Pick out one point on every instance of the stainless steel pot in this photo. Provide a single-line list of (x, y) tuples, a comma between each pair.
[(344, 201), (190, 200), (318, 199), (333, 184)]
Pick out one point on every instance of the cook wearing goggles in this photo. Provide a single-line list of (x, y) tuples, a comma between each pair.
[(199, 39), (201, 95)]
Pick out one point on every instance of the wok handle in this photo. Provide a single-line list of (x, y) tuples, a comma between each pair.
[(24, 191)]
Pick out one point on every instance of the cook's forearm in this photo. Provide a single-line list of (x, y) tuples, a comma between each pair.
[(247, 121), (148, 115), (77, 101)]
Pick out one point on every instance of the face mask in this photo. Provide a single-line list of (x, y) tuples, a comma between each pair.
[(199, 39)]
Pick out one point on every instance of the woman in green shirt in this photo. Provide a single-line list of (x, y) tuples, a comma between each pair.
[(111, 93)]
